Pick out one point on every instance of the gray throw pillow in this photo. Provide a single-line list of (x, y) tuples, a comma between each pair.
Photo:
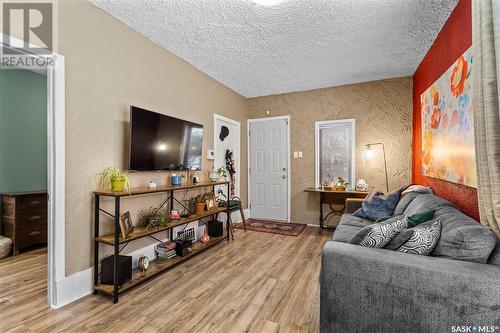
[(380, 234), (423, 239), (377, 205)]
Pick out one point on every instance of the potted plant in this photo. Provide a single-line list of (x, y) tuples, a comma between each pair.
[(341, 184), (153, 218), (199, 204), (222, 173), (115, 180)]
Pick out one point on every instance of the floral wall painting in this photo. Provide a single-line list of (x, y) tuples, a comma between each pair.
[(448, 125)]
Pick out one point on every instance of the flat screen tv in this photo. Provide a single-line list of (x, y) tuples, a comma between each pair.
[(160, 142)]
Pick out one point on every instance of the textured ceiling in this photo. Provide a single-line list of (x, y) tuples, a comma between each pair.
[(296, 45)]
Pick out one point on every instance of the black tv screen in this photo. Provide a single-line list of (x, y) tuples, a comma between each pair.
[(160, 142)]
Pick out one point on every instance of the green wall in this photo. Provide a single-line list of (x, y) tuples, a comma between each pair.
[(23, 131)]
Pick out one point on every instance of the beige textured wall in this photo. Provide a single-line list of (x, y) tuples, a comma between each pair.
[(383, 113), (109, 67)]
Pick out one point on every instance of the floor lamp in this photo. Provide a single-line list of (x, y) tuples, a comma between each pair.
[(369, 154)]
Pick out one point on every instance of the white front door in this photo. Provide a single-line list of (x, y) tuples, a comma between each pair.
[(269, 169)]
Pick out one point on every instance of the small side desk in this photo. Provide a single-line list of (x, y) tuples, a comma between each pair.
[(333, 197)]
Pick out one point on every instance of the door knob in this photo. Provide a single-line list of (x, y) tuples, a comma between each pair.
[(284, 176)]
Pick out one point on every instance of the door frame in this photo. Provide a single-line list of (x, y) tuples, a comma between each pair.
[(55, 173), (288, 160), (238, 124)]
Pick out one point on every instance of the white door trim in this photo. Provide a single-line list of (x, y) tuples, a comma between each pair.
[(288, 167), (238, 124), (316, 148), (55, 174)]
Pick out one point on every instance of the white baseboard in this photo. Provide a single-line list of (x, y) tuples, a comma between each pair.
[(73, 287)]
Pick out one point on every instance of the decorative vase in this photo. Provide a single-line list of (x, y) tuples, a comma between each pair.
[(361, 185), (199, 207), (205, 237), (118, 184)]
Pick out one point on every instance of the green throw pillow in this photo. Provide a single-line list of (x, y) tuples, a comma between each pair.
[(414, 219), (421, 217)]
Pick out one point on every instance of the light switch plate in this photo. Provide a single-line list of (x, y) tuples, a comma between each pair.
[(210, 154), (295, 154), (300, 154)]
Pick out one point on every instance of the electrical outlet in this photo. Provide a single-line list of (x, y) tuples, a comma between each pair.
[(211, 154), (295, 154), (300, 154)]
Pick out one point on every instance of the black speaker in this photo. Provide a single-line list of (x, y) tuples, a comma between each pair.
[(215, 228), (183, 247), (124, 269)]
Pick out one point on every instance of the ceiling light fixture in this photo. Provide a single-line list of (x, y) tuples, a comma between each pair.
[(267, 3)]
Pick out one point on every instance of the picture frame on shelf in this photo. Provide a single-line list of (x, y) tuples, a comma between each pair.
[(126, 225), (210, 202)]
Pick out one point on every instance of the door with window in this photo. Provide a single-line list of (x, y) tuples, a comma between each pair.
[(268, 151), (335, 144)]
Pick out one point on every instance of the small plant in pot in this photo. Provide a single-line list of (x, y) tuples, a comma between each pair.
[(153, 218), (115, 180), (222, 173), (199, 204), (341, 184)]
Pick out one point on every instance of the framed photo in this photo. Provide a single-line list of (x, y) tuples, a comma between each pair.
[(126, 225), (211, 202)]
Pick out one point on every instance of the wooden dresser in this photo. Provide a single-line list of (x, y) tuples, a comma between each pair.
[(24, 218)]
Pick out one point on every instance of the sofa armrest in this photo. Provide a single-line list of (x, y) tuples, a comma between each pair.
[(352, 205), (377, 290)]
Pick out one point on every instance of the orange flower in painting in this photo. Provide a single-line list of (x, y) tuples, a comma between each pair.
[(435, 118), (458, 77), (427, 146), (435, 96)]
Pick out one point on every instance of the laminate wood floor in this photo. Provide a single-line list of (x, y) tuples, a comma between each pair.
[(258, 283)]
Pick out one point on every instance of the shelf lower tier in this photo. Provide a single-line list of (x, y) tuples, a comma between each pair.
[(140, 232), (157, 266)]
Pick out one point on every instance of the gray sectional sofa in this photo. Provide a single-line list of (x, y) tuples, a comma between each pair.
[(378, 290)]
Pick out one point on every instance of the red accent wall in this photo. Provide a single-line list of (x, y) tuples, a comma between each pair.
[(452, 41)]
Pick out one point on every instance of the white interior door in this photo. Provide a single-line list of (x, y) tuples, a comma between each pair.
[(231, 142), (269, 168)]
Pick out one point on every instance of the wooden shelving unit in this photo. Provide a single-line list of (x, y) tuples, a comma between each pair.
[(140, 232), (156, 266)]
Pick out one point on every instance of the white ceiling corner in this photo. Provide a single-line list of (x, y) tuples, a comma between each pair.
[(294, 46)]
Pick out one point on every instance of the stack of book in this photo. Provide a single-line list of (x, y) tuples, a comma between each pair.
[(165, 250)]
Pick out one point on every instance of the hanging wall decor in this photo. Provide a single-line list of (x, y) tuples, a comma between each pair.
[(448, 127)]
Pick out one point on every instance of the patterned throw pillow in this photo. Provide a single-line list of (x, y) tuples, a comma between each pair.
[(424, 238), (377, 205), (405, 235), (380, 234), (400, 239)]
